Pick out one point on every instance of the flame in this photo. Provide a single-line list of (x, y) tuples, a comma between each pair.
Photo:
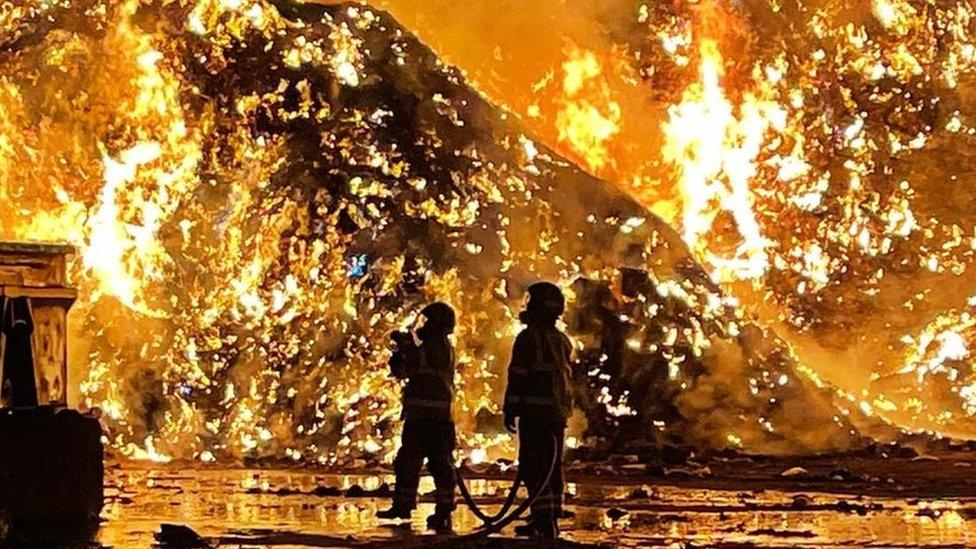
[(587, 118), (715, 146), (815, 156)]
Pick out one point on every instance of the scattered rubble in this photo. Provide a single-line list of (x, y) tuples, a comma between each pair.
[(794, 472), (178, 536), (773, 532)]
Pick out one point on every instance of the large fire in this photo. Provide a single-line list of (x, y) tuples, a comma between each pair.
[(260, 196), (808, 152)]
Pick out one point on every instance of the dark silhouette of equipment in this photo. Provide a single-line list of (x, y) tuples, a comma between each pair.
[(17, 327), (51, 468)]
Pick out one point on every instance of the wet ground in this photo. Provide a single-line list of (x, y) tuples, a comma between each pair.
[(910, 503)]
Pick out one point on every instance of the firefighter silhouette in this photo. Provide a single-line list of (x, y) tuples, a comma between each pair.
[(19, 387), (538, 403), (428, 427)]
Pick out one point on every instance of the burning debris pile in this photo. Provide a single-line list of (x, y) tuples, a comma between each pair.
[(814, 155), (262, 194)]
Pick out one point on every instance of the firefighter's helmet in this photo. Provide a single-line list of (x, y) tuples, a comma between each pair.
[(548, 297), (440, 317)]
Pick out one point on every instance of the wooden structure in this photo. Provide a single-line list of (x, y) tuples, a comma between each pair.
[(38, 272)]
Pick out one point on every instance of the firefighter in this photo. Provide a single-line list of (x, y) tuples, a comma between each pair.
[(538, 403), (428, 427)]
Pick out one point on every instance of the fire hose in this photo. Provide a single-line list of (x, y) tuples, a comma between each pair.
[(501, 519)]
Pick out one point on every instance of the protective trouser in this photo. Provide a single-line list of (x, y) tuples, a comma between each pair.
[(434, 441), (536, 446)]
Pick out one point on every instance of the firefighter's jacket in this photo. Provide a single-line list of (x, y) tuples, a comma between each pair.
[(429, 371), (540, 374)]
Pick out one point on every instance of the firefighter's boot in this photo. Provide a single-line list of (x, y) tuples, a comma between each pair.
[(395, 512), (439, 522)]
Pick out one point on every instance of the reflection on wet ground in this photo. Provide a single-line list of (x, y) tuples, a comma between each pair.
[(272, 507)]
